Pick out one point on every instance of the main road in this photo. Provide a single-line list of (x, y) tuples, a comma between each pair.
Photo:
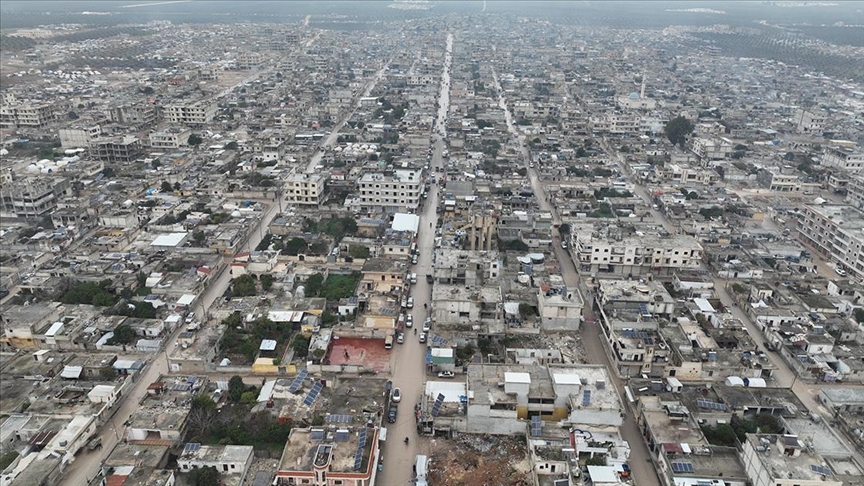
[(592, 338), (88, 463), (409, 359)]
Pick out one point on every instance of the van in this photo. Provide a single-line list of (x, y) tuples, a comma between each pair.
[(388, 342)]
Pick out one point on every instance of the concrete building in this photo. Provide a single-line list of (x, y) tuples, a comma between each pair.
[(80, 136), (843, 158), (465, 267), (32, 197), (305, 189), (32, 115), (836, 232), (315, 457), (191, 114), (392, 191), (227, 459), (118, 149), (784, 460), (560, 309), (133, 114), (172, 138), (778, 179), (809, 121), (633, 255), (855, 191), (717, 148)]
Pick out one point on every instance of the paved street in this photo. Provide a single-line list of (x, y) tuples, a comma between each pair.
[(409, 358)]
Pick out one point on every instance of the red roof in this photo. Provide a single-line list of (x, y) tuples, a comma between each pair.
[(116, 480)]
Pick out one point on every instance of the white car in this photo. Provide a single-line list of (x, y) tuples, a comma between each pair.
[(446, 374), (409, 321), (422, 337), (190, 318), (397, 395), (427, 324), (840, 271), (410, 303)]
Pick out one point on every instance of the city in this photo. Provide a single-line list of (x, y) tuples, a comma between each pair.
[(434, 243)]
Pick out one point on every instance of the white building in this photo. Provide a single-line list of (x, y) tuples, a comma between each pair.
[(843, 158), (836, 232), (305, 189), (393, 191), (633, 255), (227, 459), (173, 138), (196, 113), (717, 148), (807, 121), (780, 460), (79, 137)]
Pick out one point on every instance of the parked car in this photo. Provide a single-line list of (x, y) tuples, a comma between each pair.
[(427, 324), (429, 278), (391, 415), (400, 339), (414, 260), (446, 374), (190, 318), (396, 396), (409, 321), (422, 337), (410, 303)]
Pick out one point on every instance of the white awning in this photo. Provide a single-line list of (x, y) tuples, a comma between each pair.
[(71, 372)]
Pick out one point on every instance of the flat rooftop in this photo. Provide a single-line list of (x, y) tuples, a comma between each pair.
[(336, 448), (781, 465), (368, 353)]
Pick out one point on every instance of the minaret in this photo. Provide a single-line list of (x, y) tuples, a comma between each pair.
[(642, 91)]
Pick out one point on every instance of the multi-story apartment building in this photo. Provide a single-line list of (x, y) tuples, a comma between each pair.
[(855, 191), (633, 255), (249, 60), (312, 458), (836, 232), (172, 138), (133, 114), (843, 158), (775, 179), (784, 460), (305, 189), (117, 149), (81, 136), (717, 148), (30, 198), (809, 121), (31, 115), (394, 191), (192, 114)]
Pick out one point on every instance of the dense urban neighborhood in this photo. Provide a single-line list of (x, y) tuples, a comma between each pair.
[(432, 243)]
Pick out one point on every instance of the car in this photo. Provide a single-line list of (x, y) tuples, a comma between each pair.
[(410, 303), (400, 339), (396, 396), (190, 318), (409, 321), (412, 278), (427, 324), (391, 415), (414, 260), (564, 245), (446, 374), (840, 271), (422, 337), (429, 278)]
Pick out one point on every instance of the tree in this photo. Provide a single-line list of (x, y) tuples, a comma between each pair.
[(300, 346), (148, 90), (231, 146), (198, 238), (166, 187), (201, 414), (194, 140), (236, 387), (294, 246), (123, 334), (314, 284), (525, 310), (359, 251), (790, 156), (72, 115), (205, 476), (859, 315), (244, 286), (266, 281), (580, 152), (677, 130), (155, 164), (248, 397)]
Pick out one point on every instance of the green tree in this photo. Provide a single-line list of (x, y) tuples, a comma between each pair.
[(314, 284), (677, 130), (7, 459), (231, 146), (166, 187), (147, 90), (266, 281), (205, 476), (198, 238), (244, 286), (123, 334), (248, 397), (859, 315), (236, 387), (194, 140), (359, 251), (525, 310), (294, 246), (155, 164), (300, 346), (72, 115)]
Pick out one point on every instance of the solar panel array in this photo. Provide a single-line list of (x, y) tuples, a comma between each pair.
[(358, 459), (439, 341), (820, 470), (710, 405), (436, 408), (536, 426), (682, 467), (361, 441), (317, 434), (643, 309), (191, 447), (586, 398), (313, 394), (298, 381), (644, 336), (339, 419), (342, 435)]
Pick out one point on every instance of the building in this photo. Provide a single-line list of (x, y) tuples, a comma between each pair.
[(118, 149), (560, 309), (836, 232), (779, 179), (855, 191), (465, 267), (717, 148), (305, 189), (192, 114), (633, 255), (133, 114), (347, 456), (32, 115), (392, 191), (227, 459), (172, 138), (809, 121), (80, 136), (32, 197), (843, 158), (784, 460)]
